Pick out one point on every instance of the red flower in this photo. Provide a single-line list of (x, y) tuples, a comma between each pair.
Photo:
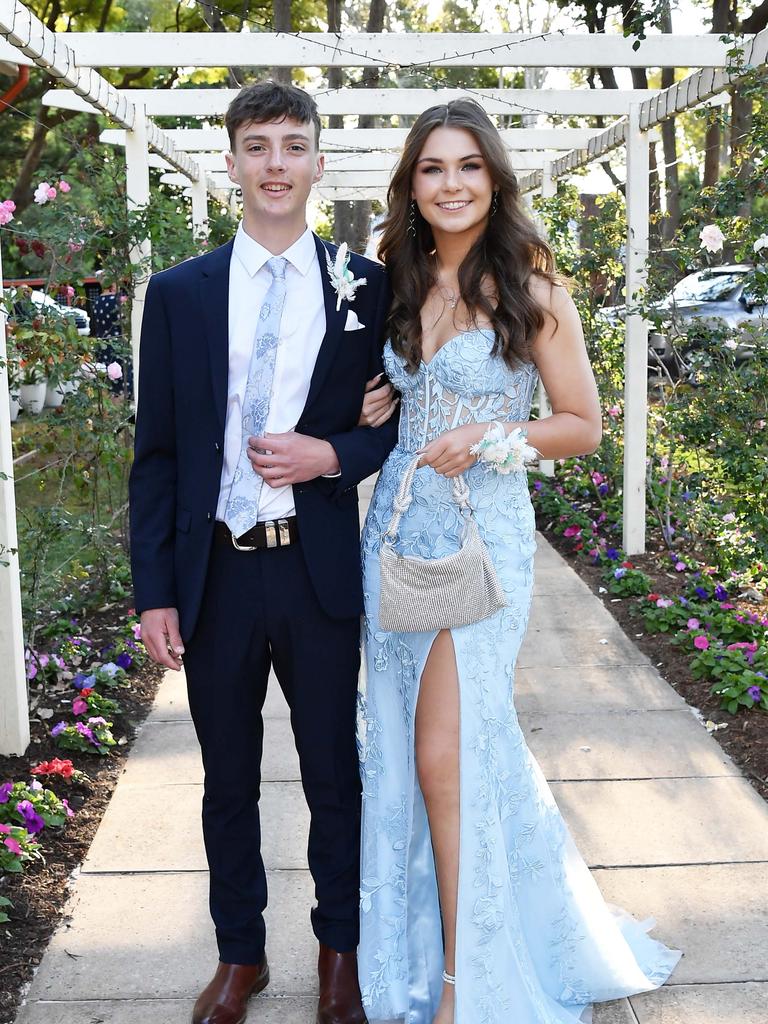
[(55, 767), (579, 546), (628, 565), (86, 691), (38, 249), (652, 597)]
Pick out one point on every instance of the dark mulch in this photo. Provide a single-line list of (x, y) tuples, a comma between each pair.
[(39, 894), (746, 737)]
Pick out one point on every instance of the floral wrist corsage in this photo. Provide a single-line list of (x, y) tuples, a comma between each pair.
[(504, 452)]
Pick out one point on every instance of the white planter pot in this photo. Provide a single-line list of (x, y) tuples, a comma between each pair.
[(54, 396), (69, 387), (32, 397), (15, 406)]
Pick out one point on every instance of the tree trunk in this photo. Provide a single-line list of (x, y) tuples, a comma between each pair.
[(282, 22), (720, 25)]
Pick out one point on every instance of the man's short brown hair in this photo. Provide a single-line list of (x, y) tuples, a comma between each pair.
[(267, 102)]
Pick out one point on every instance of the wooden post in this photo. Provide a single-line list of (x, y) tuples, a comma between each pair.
[(14, 703), (548, 190), (137, 188), (199, 193), (636, 338)]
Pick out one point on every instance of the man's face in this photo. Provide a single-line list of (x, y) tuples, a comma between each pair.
[(275, 164)]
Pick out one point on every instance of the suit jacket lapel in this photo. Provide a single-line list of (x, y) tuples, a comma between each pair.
[(334, 325), (214, 293)]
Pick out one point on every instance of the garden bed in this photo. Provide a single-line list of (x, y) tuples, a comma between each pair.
[(39, 893), (744, 737)]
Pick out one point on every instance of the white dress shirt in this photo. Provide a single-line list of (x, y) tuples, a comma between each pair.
[(302, 329)]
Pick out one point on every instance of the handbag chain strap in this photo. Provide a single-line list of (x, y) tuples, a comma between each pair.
[(403, 499)]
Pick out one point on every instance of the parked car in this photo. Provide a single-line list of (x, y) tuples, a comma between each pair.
[(81, 318), (717, 298)]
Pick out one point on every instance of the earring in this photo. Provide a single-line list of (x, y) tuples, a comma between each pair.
[(412, 218), (495, 202)]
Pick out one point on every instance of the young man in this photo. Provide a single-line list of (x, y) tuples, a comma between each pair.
[(245, 534)]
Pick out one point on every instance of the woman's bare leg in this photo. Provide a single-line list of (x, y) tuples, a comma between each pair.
[(437, 764)]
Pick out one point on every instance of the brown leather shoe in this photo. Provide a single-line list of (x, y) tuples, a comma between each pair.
[(340, 1001), (225, 1000)]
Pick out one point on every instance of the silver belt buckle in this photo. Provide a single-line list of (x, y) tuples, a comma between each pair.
[(270, 533), (284, 532), (240, 547)]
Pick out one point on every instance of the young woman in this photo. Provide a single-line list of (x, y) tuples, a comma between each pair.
[(476, 906)]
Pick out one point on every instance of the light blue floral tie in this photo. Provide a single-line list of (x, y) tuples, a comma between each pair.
[(242, 510)]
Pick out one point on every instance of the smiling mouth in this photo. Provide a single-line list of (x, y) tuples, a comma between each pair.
[(457, 204), (274, 188)]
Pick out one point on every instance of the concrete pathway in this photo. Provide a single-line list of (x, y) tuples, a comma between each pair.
[(667, 823)]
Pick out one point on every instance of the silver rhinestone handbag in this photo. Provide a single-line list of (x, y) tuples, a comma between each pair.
[(423, 594)]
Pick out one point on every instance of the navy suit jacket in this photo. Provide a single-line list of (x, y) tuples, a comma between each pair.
[(179, 446)]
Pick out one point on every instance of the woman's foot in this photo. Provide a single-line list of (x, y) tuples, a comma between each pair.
[(445, 1010)]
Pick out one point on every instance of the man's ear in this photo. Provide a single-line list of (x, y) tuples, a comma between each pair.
[(231, 172), (319, 167)]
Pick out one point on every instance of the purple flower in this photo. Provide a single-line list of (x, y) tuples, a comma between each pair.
[(32, 820), (721, 594), (702, 593), (5, 792), (618, 573), (679, 566), (602, 490), (86, 732), (755, 693), (110, 668), (58, 728), (612, 553), (124, 660), (82, 681), (538, 485)]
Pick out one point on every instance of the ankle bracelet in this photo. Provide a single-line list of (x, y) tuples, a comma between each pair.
[(449, 979)]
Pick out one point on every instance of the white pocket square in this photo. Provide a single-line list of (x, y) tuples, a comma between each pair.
[(353, 324)]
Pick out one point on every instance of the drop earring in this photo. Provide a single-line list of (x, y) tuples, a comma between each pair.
[(412, 219), (495, 202)]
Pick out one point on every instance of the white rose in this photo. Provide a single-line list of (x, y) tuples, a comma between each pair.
[(712, 238), (761, 243)]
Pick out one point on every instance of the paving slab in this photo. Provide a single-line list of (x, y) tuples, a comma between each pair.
[(263, 1009), (121, 843), (171, 703), (624, 745), (168, 752), (149, 936), (666, 821), (716, 914), (558, 612), (745, 1003), (608, 645), (586, 690), (618, 1011)]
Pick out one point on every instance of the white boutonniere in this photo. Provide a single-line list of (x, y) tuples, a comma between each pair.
[(343, 280)]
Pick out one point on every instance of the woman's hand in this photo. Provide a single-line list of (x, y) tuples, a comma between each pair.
[(379, 403), (449, 454)]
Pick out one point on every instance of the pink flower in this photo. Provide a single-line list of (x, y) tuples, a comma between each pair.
[(6, 216), (693, 624), (614, 411), (572, 531), (5, 829), (663, 602), (9, 205), (114, 371), (31, 670), (41, 196), (701, 643), (74, 246), (69, 291), (136, 628), (597, 478), (64, 186), (123, 299), (679, 566), (79, 706), (13, 845), (51, 192)]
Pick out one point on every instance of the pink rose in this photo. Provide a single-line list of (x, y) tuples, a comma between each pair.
[(51, 193), (701, 643), (9, 205), (64, 186), (6, 216), (114, 371)]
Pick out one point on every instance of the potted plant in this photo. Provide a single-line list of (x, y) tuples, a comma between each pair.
[(32, 386)]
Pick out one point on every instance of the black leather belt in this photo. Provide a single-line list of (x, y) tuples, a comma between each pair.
[(274, 533)]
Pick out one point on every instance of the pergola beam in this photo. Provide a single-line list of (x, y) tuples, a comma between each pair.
[(51, 52), (366, 140), (394, 49), (389, 102)]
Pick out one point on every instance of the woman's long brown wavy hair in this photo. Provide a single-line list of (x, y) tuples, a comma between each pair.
[(509, 250)]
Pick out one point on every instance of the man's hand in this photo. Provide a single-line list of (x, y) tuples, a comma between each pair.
[(160, 635), (449, 454), (379, 403), (282, 459)]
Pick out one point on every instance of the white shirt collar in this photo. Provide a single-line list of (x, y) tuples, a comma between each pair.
[(253, 255)]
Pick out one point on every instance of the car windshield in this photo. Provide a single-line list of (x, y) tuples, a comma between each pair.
[(706, 287)]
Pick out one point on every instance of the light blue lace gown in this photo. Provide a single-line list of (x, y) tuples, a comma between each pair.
[(536, 943)]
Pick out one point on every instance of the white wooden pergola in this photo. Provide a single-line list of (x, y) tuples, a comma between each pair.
[(359, 163)]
